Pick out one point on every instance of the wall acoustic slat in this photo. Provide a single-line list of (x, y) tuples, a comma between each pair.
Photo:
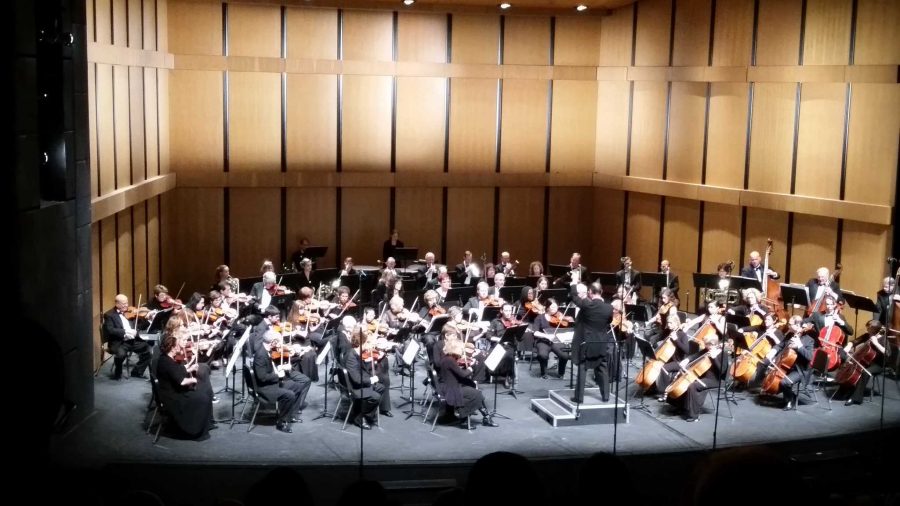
[(653, 29), (642, 238), (421, 122), (721, 237), (778, 36), (254, 225), (826, 40), (470, 221), (254, 30), (686, 128), (121, 104), (311, 122), (103, 21), (475, 39), (195, 28), (648, 129), (366, 123), (89, 24), (162, 76), (311, 33), (615, 37), (368, 35), (136, 120), (727, 135), (813, 246), (92, 128), (524, 132), (196, 120), (763, 224), (149, 17), (861, 244), (309, 213), (877, 37), (772, 144), (125, 255), (254, 129), (153, 242), (692, 19), (820, 140), (568, 206), (607, 232), (109, 263), (139, 226), (106, 154), (612, 127), (162, 15), (120, 22), (577, 40), (520, 225), (734, 33), (365, 223), (191, 256), (151, 130), (872, 148), (526, 41), (422, 37), (574, 126), (473, 124), (135, 27), (418, 218), (680, 239)]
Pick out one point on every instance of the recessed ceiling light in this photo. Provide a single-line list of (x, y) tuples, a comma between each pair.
[(505, 5), (581, 8), (409, 2)]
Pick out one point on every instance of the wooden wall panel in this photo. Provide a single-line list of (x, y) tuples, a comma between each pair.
[(106, 153), (366, 123), (254, 129), (190, 257), (568, 209), (311, 122), (124, 255), (422, 37), (418, 214), (733, 40), (163, 120), (150, 26), (827, 36), (607, 246), (470, 221), (526, 41), (321, 205), (727, 135), (421, 122), (642, 236), (615, 37), (120, 22), (365, 223), (92, 129), (89, 22), (648, 129), (195, 27), (122, 136), (778, 35), (692, 18), (523, 145), (151, 118), (612, 127), (254, 229), (312, 33), (109, 280), (654, 21), (162, 16), (721, 238), (153, 242), (577, 40), (574, 126), (686, 128), (254, 30), (813, 246), (763, 224), (368, 35), (772, 141), (139, 239), (520, 225), (680, 237), (872, 149), (196, 121), (475, 39), (136, 121), (97, 308), (861, 245), (103, 21), (877, 37), (473, 124), (821, 139), (135, 27)]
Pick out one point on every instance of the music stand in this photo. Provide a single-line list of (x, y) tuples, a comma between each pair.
[(655, 281), (323, 356), (857, 302), (743, 282), (648, 354), (558, 294), (490, 313), (230, 371), (511, 335), (315, 252), (511, 294), (557, 270), (456, 295), (325, 276), (606, 279), (402, 255), (246, 284), (794, 295)]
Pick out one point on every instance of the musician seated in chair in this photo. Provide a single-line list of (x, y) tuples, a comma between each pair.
[(122, 337), (184, 387), (682, 349), (869, 351), (803, 345), (547, 341), (695, 392), (457, 387), (281, 384)]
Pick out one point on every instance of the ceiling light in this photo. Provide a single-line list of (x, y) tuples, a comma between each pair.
[(581, 8), (505, 5), (409, 2)]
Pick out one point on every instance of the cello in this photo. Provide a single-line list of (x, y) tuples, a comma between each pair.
[(693, 372), (779, 371), (744, 367)]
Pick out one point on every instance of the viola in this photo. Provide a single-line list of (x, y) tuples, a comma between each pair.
[(373, 354)]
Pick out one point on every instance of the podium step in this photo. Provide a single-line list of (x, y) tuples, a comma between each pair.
[(559, 410)]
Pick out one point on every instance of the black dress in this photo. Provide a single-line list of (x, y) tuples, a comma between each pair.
[(189, 406)]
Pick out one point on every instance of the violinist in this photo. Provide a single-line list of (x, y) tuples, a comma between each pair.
[(457, 386), (879, 349), (499, 283), (348, 269), (803, 344), (305, 273), (543, 283), (476, 304), (366, 386), (271, 317), (695, 395), (505, 265), (122, 337), (223, 274), (529, 308), (535, 269), (505, 320), (444, 284), (665, 268), (546, 341), (343, 304), (161, 307), (184, 388), (304, 318), (427, 276), (490, 270), (754, 269), (374, 357), (397, 316), (821, 285), (279, 383), (628, 281), (262, 291), (429, 310)]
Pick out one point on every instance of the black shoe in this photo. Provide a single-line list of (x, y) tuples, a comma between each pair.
[(851, 402), (212, 426), (364, 424), (789, 406), (506, 383), (606, 399), (692, 419), (137, 374), (387, 414), (576, 399), (488, 421), (544, 376), (284, 427), (661, 398), (296, 419)]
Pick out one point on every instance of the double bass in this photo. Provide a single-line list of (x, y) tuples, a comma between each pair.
[(771, 289)]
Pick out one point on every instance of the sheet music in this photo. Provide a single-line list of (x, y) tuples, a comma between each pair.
[(323, 353), (237, 351), (565, 337), (496, 355), (412, 349), (436, 319)]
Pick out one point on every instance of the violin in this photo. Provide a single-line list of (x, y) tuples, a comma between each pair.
[(534, 307), (136, 312), (560, 320), (276, 290), (492, 301), (437, 311), (185, 353), (512, 322), (373, 354), (171, 303)]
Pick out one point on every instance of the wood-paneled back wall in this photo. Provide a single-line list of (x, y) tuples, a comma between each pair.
[(127, 72), (685, 129)]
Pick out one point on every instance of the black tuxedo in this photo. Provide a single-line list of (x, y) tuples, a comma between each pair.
[(389, 249), (591, 342), (457, 387), (566, 278), (114, 335), (635, 279), (671, 285), (360, 374), (756, 273), (812, 287), (289, 391), (882, 303)]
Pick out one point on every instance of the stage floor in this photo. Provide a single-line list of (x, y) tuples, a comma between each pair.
[(115, 432)]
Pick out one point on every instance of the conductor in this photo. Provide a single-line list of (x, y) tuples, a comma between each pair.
[(592, 339)]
